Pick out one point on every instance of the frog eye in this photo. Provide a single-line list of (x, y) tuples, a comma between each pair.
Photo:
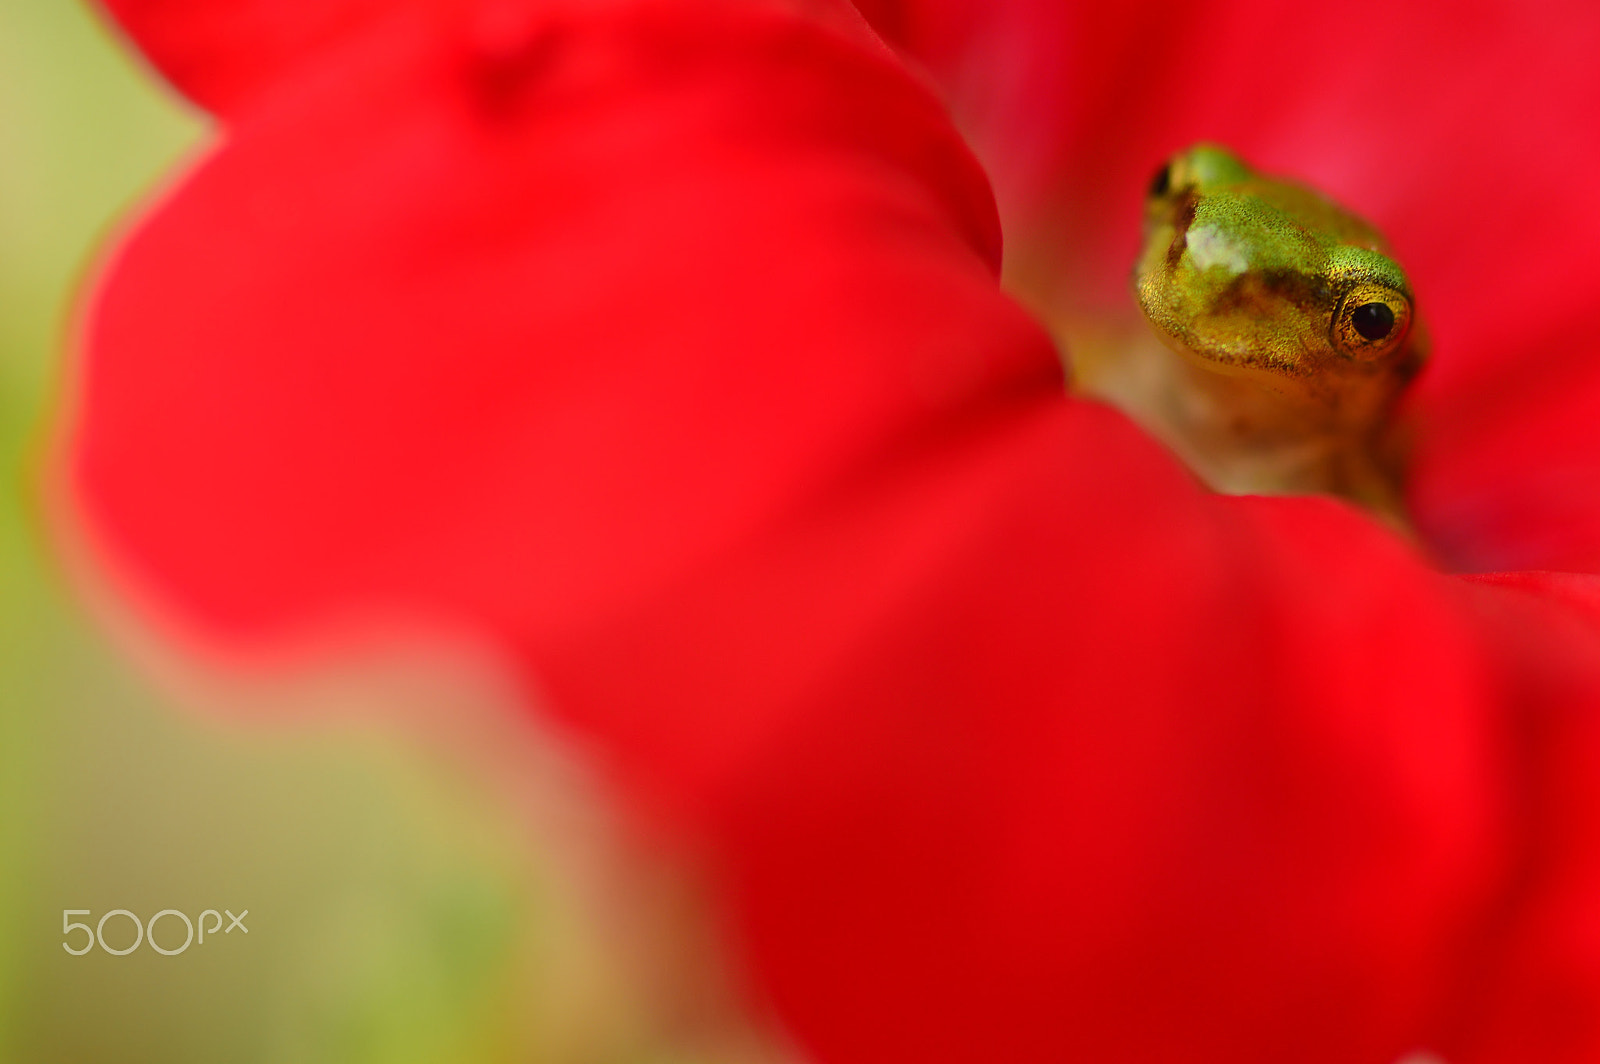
[(1175, 175), (1161, 184), (1371, 321), (1374, 321)]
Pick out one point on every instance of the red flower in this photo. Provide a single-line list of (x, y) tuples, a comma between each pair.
[(661, 342)]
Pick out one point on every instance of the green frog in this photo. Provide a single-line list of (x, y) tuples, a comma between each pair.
[(1290, 333)]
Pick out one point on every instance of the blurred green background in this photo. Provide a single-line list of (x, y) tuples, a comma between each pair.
[(400, 907)]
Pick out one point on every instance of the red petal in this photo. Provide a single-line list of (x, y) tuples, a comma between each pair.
[(1536, 962), (666, 348), (1468, 134), (461, 267), (225, 53)]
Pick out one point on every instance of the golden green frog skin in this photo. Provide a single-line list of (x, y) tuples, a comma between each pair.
[(1290, 333)]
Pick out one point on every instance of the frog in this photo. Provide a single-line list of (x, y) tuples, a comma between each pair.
[(1289, 334)]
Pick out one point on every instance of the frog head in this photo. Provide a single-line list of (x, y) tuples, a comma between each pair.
[(1262, 277)]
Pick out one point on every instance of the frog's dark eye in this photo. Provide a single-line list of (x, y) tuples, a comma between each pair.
[(1371, 321), (1161, 184)]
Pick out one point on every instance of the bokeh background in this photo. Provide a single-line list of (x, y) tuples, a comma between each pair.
[(405, 905)]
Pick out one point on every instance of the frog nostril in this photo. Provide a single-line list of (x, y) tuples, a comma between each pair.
[(1373, 320)]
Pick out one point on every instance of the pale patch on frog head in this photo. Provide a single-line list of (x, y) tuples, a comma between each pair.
[(1211, 246)]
